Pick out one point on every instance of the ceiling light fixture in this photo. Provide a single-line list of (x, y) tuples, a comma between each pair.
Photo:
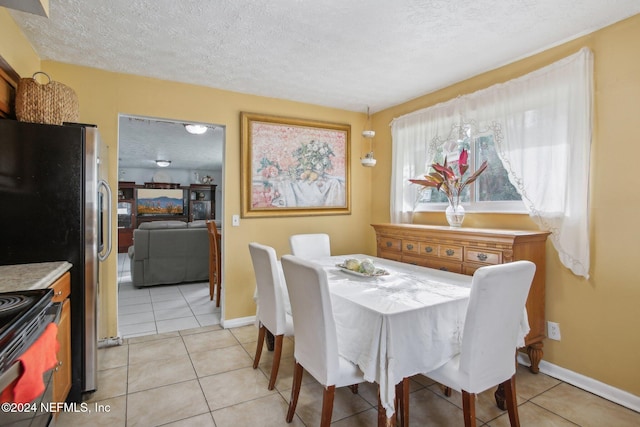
[(368, 160), (163, 163), (195, 129)]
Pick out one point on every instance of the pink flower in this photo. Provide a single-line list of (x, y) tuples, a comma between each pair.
[(445, 179)]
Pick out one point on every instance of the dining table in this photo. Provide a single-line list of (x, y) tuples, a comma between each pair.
[(399, 321)]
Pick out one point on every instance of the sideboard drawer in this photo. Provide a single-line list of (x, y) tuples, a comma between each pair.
[(440, 264), (429, 248), (390, 244), (392, 255), (410, 247), (415, 260), (483, 256), (451, 252)]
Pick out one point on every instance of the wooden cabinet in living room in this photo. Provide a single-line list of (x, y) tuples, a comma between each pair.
[(62, 372), (126, 214), (202, 202)]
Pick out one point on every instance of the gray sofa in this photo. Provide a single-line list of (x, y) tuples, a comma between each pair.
[(167, 252)]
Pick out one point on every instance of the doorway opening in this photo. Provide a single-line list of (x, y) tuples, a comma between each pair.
[(169, 185)]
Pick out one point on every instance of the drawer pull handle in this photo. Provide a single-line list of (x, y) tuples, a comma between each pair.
[(410, 246), (482, 257), (389, 244), (428, 249), (59, 293), (450, 252), (444, 269)]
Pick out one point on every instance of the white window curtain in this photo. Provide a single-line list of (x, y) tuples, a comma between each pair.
[(542, 123)]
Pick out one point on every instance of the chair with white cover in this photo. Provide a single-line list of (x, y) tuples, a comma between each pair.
[(310, 246), (316, 346), (490, 337), (271, 314)]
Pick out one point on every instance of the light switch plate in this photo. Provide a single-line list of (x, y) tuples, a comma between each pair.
[(235, 220)]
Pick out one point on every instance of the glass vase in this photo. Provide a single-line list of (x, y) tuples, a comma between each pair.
[(455, 214)]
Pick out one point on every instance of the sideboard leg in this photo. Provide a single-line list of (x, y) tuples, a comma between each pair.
[(535, 355)]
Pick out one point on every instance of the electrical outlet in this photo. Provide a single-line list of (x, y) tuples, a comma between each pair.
[(553, 331), (235, 220)]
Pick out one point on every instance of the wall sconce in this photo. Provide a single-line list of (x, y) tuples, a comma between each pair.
[(368, 160), (163, 163), (195, 129)]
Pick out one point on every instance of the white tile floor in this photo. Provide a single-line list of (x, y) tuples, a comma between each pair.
[(159, 309)]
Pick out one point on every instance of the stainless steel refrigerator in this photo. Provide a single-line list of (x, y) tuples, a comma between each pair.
[(54, 205)]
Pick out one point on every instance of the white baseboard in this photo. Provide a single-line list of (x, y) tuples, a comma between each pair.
[(596, 387), (240, 321)]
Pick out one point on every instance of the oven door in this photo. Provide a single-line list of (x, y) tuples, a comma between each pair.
[(38, 412)]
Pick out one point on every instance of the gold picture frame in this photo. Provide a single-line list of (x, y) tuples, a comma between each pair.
[(294, 167)]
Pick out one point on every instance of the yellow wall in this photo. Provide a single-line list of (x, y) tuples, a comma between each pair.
[(14, 47), (103, 95), (598, 317)]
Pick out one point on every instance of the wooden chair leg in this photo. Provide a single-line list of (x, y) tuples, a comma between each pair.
[(295, 391), (354, 388), (256, 359), (218, 292), (327, 405), (447, 391), (211, 287), (382, 413), (469, 409), (512, 401), (402, 402), (276, 361)]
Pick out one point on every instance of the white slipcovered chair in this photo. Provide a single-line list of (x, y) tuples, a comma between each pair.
[(310, 246), (490, 336), (316, 347), (271, 314)]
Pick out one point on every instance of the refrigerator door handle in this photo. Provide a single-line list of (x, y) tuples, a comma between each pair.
[(107, 190)]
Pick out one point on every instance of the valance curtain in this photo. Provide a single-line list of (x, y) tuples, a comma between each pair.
[(542, 127)]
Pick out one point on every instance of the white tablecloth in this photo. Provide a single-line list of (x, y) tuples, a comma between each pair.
[(399, 325)]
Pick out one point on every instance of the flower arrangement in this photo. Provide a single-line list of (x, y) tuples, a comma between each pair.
[(314, 159), (445, 179)]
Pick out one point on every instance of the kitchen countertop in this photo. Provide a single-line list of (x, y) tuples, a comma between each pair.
[(22, 277)]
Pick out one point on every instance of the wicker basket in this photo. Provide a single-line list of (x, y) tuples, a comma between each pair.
[(50, 103)]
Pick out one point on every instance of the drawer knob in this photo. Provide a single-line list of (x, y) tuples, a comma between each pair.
[(482, 257), (444, 269), (389, 244), (410, 246), (428, 249), (59, 293), (450, 252)]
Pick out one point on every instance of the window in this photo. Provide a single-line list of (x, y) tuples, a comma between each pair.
[(538, 126), (491, 192)]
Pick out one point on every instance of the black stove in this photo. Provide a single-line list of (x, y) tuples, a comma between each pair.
[(23, 317)]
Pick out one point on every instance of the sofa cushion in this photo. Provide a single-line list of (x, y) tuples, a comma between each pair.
[(169, 255), (197, 224), (155, 225)]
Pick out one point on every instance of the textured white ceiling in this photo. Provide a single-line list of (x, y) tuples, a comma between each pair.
[(347, 54), (142, 141)]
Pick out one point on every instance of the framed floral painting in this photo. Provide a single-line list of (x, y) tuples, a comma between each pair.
[(293, 167)]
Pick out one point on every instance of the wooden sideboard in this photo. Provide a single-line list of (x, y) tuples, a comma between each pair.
[(464, 250)]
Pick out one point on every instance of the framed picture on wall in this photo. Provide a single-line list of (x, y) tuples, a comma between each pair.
[(294, 167)]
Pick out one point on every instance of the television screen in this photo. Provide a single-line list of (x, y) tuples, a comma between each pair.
[(157, 201)]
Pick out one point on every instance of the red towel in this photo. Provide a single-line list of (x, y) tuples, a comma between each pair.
[(36, 360)]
